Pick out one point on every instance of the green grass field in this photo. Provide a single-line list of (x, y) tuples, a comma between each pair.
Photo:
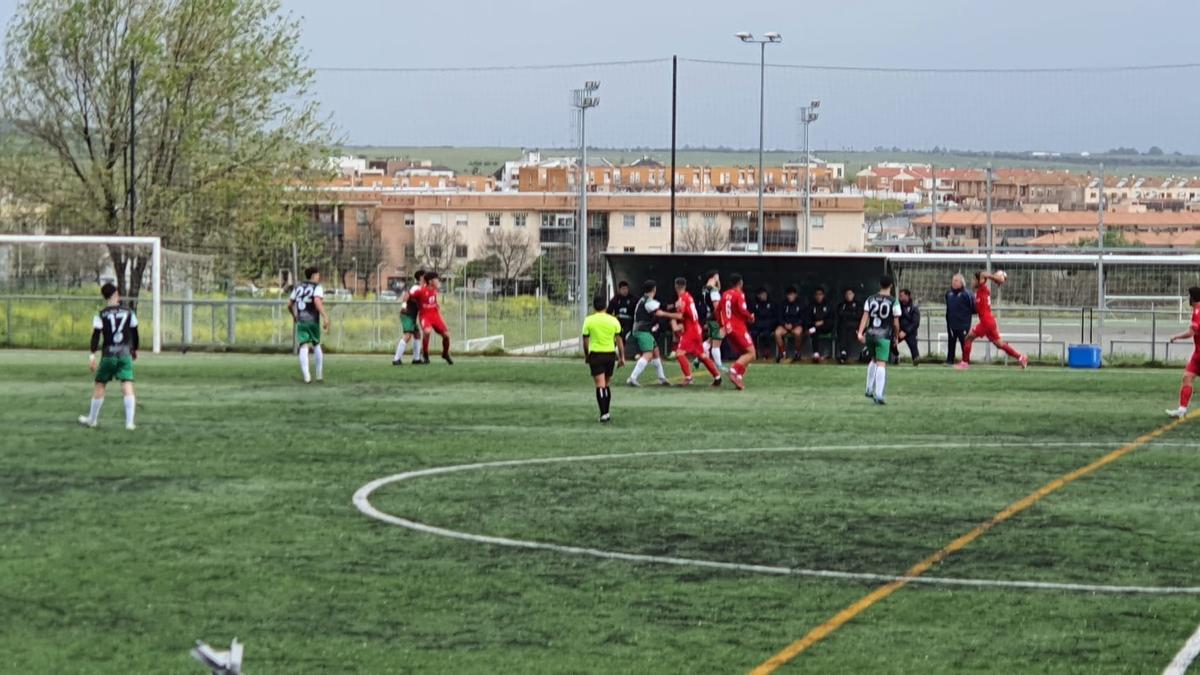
[(228, 513)]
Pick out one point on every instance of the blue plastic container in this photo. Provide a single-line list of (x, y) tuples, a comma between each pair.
[(1083, 356)]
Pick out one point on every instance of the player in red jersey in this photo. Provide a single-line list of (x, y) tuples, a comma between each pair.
[(691, 335), (431, 317), (734, 317), (987, 328), (1193, 366)]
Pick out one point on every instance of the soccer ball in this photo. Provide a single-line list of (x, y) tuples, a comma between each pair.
[(1001, 276), (652, 305)]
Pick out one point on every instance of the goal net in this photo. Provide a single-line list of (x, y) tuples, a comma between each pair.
[(49, 286)]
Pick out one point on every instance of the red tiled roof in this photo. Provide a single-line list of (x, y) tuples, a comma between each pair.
[(1067, 219)]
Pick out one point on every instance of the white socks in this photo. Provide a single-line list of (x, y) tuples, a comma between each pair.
[(304, 362), (130, 406), (880, 382), (417, 348), (639, 368), (94, 412), (871, 368), (658, 369), (400, 350), (320, 359), (716, 356)]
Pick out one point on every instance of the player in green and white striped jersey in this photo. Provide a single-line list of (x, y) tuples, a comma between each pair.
[(880, 322)]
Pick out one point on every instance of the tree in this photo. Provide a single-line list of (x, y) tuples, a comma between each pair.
[(513, 252), (437, 247), (223, 116), (1155, 151), (362, 255), (699, 238)]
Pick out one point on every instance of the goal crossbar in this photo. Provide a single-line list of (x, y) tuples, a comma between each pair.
[(155, 244)]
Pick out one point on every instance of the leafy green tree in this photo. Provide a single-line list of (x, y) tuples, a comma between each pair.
[(225, 124)]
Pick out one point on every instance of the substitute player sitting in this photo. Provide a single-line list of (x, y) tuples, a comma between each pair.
[(987, 327), (115, 331), (604, 352), (1193, 366)]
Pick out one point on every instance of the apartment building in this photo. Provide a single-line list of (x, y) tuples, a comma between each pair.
[(410, 221), (1016, 228)]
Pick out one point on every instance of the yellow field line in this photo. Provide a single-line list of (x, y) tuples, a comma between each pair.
[(864, 603)]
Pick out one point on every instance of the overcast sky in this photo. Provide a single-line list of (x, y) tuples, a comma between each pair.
[(718, 103)]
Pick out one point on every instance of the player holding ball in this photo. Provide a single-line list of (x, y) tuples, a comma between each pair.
[(987, 326)]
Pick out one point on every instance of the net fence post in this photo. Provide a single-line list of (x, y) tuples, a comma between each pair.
[(156, 303)]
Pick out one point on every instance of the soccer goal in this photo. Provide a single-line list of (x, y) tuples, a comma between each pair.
[(48, 284)]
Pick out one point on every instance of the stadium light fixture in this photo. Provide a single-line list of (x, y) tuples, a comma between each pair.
[(583, 99), (768, 38)]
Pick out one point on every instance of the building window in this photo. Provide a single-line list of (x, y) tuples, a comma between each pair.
[(710, 219), (460, 220), (519, 219), (460, 251), (435, 219), (628, 249), (818, 222), (409, 220), (493, 220), (360, 217), (655, 221), (435, 252), (629, 220), (410, 251), (681, 221)]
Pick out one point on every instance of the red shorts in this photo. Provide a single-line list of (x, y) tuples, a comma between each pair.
[(1193, 366), (987, 330), (434, 324), (692, 342), (739, 340)]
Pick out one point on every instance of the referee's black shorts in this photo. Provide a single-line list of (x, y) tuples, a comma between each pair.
[(602, 363)]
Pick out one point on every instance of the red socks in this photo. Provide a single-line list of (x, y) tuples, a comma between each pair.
[(1008, 349), (1185, 395), (712, 367), (967, 351), (682, 358), (445, 345), (739, 369), (425, 344)]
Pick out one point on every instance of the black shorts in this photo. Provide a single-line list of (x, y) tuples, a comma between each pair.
[(602, 363)]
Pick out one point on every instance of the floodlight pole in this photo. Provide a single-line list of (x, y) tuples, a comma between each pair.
[(991, 240), (1101, 301), (768, 38), (583, 99), (808, 115)]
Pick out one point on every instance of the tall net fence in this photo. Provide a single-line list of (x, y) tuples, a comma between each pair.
[(829, 135)]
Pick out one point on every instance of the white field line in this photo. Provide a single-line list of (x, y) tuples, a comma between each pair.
[(1191, 649), (362, 502)]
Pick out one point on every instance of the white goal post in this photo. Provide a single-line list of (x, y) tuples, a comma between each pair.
[(155, 244)]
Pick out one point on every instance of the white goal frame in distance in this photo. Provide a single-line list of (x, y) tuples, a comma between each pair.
[(155, 264)]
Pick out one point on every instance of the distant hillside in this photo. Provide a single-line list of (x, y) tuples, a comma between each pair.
[(485, 160)]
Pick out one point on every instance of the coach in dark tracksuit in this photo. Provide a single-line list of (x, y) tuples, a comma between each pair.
[(621, 306), (910, 324), (849, 312), (960, 306)]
